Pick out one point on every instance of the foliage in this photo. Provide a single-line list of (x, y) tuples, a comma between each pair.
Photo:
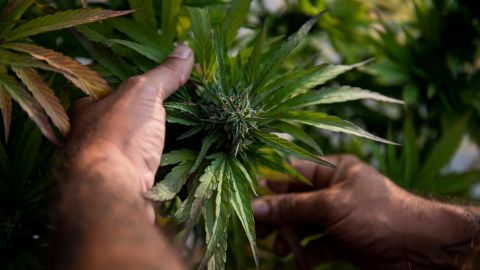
[(22, 58), (239, 105)]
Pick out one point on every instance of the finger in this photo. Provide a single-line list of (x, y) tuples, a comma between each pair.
[(172, 73), (281, 246), (321, 176), (293, 208)]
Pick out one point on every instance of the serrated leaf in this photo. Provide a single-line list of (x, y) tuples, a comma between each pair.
[(6, 108), (206, 184), (297, 133), (203, 39), (173, 182), (28, 104), (139, 33), (61, 20), (285, 50), (206, 144), (311, 79), (151, 53), (191, 132), (45, 97), (255, 56), (13, 11), (116, 65), (177, 156), (241, 202), (290, 148), (145, 13), (329, 122), (80, 75), (8, 58), (238, 168), (236, 15), (182, 107), (331, 95), (217, 212)]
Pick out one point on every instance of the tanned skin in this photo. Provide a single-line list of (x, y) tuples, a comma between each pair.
[(102, 219), (103, 222), (368, 220)]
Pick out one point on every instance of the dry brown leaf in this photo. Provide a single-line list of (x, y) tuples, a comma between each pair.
[(84, 78), (6, 108), (45, 96), (29, 105)]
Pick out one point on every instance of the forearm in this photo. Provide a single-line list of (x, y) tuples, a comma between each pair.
[(102, 219)]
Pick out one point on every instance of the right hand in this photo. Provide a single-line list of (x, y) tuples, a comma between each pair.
[(367, 219)]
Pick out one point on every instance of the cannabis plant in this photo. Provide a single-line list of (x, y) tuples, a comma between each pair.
[(238, 107), (20, 59)]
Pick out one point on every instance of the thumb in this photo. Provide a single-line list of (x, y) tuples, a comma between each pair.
[(293, 208), (172, 73)]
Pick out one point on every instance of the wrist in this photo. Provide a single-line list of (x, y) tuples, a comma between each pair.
[(443, 236)]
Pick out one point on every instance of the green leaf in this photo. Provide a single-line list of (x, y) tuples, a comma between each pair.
[(167, 188), (411, 150), (191, 132), (442, 152), (331, 95), (207, 183), (238, 168), (61, 20), (170, 10), (151, 53), (177, 156), (277, 163), (206, 144), (106, 58), (13, 11), (289, 148), (181, 107), (255, 57), (145, 13), (285, 49), (312, 78), (297, 133), (139, 33), (217, 213), (329, 122), (235, 17), (28, 104), (241, 202), (203, 39)]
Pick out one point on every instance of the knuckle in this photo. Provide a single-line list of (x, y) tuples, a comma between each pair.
[(136, 81)]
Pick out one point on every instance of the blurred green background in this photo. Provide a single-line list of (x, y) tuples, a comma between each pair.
[(426, 52)]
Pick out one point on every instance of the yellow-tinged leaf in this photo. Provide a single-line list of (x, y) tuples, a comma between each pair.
[(29, 105), (45, 96), (6, 108), (84, 78)]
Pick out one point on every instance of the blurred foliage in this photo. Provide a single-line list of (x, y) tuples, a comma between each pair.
[(426, 52)]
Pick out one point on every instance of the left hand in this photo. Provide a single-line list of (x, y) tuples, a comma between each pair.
[(128, 126)]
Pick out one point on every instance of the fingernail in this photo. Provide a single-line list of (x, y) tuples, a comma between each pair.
[(182, 52), (261, 208)]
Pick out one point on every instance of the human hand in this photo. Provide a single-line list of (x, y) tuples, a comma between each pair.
[(367, 220), (128, 126)]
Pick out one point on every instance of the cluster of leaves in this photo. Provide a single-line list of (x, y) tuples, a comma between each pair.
[(22, 58), (237, 108)]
